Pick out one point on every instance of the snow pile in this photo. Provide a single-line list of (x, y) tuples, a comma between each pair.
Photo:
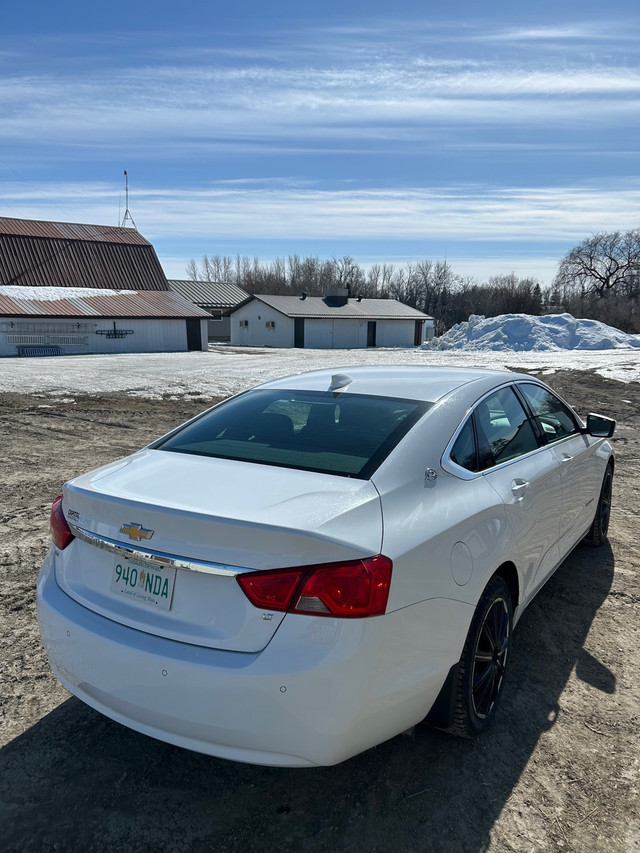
[(523, 332)]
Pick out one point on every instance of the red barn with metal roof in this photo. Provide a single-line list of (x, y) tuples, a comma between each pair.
[(72, 288)]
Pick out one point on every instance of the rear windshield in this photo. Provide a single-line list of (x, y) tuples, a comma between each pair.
[(344, 434)]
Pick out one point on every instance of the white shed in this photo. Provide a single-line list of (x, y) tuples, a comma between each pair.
[(331, 322), (65, 320)]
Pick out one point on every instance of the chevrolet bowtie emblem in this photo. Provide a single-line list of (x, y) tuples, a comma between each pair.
[(135, 531)]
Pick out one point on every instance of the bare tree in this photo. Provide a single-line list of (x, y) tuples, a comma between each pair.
[(607, 263), (309, 275), (192, 270), (379, 279), (347, 273), (223, 269), (216, 269), (512, 295)]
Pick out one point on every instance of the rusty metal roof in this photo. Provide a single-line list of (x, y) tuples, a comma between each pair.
[(71, 231), (141, 304), (61, 254)]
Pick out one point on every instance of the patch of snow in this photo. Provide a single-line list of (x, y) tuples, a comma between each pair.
[(525, 333), (49, 294), (513, 341), (226, 370)]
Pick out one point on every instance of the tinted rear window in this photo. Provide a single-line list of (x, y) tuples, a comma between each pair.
[(345, 434)]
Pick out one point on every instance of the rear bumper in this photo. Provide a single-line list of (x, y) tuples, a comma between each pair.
[(322, 691)]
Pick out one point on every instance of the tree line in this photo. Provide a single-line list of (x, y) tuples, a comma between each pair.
[(598, 279)]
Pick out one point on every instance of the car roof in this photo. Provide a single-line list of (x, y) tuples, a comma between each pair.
[(409, 382)]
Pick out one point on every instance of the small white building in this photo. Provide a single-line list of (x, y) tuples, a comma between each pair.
[(66, 320), (331, 322)]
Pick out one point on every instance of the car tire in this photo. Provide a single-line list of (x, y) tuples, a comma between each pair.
[(599, 529), (483, 665)]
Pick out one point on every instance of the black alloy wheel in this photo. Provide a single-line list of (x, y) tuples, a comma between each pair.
[(490, 658), (483, 664), (599, 529)]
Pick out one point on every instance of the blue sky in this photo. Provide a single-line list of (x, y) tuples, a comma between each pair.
[(495, 135)]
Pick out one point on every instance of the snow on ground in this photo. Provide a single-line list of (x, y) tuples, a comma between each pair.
[(226, 370), (522, 332), (514, 341)]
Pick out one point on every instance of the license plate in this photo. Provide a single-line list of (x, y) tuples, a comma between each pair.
[(143, 582)]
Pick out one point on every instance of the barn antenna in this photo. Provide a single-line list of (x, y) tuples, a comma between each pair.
[(127, 215)]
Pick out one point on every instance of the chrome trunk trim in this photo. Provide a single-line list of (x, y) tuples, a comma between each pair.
[(156, 558)]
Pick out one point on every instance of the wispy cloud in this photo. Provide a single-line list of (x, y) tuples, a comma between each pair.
[(165, 104), (469, 212), (578, 31)]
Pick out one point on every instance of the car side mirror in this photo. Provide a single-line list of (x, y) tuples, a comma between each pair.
[(600, 426)]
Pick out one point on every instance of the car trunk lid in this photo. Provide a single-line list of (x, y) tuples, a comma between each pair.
[(161, 537)]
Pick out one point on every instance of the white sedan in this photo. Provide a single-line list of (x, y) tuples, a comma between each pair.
[(318, 564)]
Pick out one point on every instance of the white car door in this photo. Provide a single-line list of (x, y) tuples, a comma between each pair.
[(527, 476), (581, 470)]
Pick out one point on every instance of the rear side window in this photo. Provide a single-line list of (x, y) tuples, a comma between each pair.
[(556, 420), (344, 434), (463, 452), (503, 429)]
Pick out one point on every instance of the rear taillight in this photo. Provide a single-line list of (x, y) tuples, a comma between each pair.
[(60, 531), (353, 589)]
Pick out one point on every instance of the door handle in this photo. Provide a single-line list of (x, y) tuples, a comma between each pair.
[(565, 458), (518, 488)]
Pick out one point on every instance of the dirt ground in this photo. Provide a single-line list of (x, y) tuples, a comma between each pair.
[(559, 769)]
